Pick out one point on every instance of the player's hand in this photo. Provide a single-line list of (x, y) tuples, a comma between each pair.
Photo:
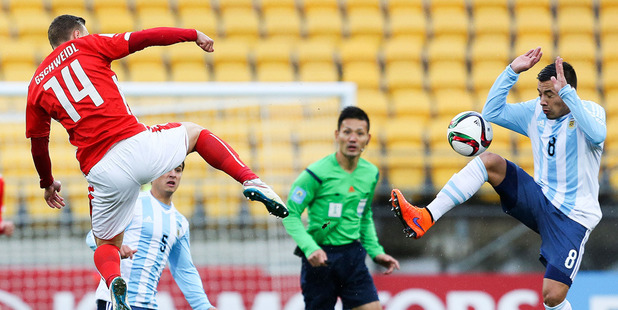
[(527, 60), (318, 258), (7, 228), (53, 199), (388, 262), (205, 42), (559, 80), (126, 252)]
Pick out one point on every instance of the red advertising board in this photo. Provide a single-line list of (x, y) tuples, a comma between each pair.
[(234, 288)]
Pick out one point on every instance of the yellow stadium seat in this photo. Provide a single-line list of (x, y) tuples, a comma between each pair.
[(190, 5), (148, 72), (404, 75), (31, 24), (533, 20), (318, 72), (267, 5), (561, 4), (578, 48), (189, 72), (411, 103), (450, 102), (366, 75), (97, 5), (140, 5), (14, 5), (315, 51), (230, 51), (395, 5), (282, 23), (446, 4), (609, 77), (405, 168), (18, 60), (155, 17), (358, 50), (476, 4), (202, 19), (114, 20), (277, 158), (221, 200), (324, 23), (67, 5), (451, 48), (308, 134), (405, 130), (409, 24), (492, 21), (374, 103), (484, 74), (524, 43), (608, 23), (232, 72), (275, 72), (587, 75), (490, 48), (272, 51), (226, 5), (575, 20), (238, 23), (609, 51), (450, 21), (366, 24), (309, 153), (401, 49), (526, 4), (502, 141), (308, 6), (607, 4), (447, 75), (6, 29)]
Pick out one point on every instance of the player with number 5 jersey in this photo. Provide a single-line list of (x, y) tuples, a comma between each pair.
[(75, 86)]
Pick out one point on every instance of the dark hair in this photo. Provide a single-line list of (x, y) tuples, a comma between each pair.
[(352, 112), (550, 70), (61, 28)]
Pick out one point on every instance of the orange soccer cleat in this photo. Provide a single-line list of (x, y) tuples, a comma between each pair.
[(416, 221)]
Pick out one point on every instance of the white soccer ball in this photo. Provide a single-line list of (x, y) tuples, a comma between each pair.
[(469, 134)]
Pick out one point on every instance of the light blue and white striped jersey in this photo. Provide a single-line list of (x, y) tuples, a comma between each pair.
[(161, 235), (566, 151)]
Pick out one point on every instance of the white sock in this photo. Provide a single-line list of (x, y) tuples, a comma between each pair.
[(459, 188), (565, 305)]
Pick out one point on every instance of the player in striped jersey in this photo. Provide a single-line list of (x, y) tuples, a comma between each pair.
[(158, 234), (561, 202)]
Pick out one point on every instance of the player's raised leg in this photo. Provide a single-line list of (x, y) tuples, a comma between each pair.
[(222, 156), (487, 167)]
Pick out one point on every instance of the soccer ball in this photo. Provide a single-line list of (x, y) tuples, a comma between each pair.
[(469, 134)]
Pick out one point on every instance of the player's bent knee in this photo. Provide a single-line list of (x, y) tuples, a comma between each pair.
[(553, 297)]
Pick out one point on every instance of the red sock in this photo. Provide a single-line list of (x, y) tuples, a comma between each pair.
[(220, 155), (107, 261)]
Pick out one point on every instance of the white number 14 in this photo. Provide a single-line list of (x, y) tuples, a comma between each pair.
[(78, 95)]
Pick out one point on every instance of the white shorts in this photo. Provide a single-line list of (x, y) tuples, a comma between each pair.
[(115, 181)]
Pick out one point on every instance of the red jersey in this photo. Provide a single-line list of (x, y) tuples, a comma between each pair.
[(76, 86)]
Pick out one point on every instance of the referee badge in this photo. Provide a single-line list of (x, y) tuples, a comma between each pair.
[(299, 195)]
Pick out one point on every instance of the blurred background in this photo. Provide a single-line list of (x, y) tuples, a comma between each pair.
[(412, 66)]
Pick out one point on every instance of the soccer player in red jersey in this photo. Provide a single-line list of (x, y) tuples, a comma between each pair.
[(6, 227), (117, 154)]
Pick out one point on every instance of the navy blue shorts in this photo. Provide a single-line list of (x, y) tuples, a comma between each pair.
[(563, 239), (346, 276)]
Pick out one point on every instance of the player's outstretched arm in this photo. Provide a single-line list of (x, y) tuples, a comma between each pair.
[(527, 60)]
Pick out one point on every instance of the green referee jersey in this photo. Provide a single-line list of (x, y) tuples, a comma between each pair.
[(338, 204)]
